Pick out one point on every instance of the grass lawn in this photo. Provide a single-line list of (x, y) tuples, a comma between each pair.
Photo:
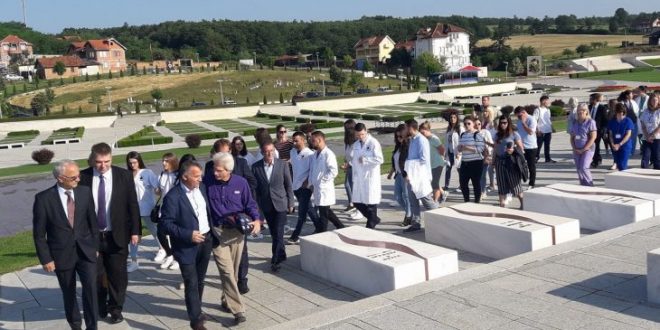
[(554, 44), (648, 76), (653, 61)]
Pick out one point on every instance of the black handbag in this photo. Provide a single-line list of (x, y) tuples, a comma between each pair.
[(155, 212), (242, 223)]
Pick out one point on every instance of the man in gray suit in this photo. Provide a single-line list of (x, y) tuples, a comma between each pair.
[(275, 198)]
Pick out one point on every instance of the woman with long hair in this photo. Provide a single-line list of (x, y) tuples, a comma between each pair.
[(401, 142), (283, 143), (473, 151), (146, 187), (239, 149), (507, 142), (166, 181), (452, 135), (349, 139)]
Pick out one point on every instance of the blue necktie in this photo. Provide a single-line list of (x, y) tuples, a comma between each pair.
[(101, 204)]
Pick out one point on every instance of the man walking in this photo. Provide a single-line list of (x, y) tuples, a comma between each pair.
[(274, 197), (527, 130), (66, 236), (366, 161), (322, 179), (119, 224), (543, 129), (598, 112), (301, 162)]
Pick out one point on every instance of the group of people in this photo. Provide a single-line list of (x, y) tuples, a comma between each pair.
[(90, 222)]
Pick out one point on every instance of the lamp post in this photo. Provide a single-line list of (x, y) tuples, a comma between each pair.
[(318, 65), (222, 97), (323, 82), (255, 59), (108, 88), (506, 70)]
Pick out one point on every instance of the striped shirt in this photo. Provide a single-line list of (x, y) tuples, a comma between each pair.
[(475, 140)]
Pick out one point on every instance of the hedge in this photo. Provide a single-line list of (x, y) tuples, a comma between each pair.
[(352, 115), (306, 112), (432, 115), (288, 118), (608, 72), (331, 124), (21, 133), (319, 113), (59, 116), (318, 121), (251, 131), (213, 135), (160, 123), (143, 141), (394, 119), (335, 114), (443, 103), (371, 117), (302, 120), (262, 115), (274, 117), (557, 111)]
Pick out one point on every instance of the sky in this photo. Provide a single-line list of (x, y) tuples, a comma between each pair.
[(51, 16)]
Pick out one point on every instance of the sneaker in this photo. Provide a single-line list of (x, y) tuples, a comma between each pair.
[(182, 286), (443, 196), (483, 195), (394, 204), (160, 256), (508, 199), (458, 190), (413, 228), (613, 167), (287, 229), (292, 241), (132, 266), (350, 209), (552, 161), (357, 215), (530, 187), (174, 266), (406, 222), (167, 263)]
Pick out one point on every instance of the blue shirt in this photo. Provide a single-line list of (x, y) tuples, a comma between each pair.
[(231, 197), (528, 140), (419, 149), (619, 130)]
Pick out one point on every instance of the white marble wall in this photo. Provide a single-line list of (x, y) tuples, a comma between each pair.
[(494, 231), (653, 276), (635, 179)]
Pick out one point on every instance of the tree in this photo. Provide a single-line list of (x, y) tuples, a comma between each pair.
[(621, 17), (265, 100), (39, 104), (613, 25), (567, 52), (348, 61), (566, 23), (500, 36), (355, 81), (581, 49), (400, 58), (50, 95), (157, 94), (366, 67), (281, 97), (337, 75), (516, 68), (328, 56), (59, 68), (426, 63)]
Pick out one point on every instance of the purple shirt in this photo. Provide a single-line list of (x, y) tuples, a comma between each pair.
[(581, 132), (230, 197)]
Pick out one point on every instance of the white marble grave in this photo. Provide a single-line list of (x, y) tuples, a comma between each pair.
[(653, 276), (634, 179), (596, 208), (373, 262), (496, 232)]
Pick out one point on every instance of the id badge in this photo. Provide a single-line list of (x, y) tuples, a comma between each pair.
[(617, 136)]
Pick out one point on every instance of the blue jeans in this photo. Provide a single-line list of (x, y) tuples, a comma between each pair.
[(348, 185), (450, 163), (487, 171), (133, 249), (634, 138), (401, 193), (651, 154), (428, 202), (303, 195)]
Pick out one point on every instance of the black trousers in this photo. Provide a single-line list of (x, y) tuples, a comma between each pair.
[(245, 264), (544, 141), (471, 171), (86, 270), (530, 158), (112, 275), (326, 214), (276, 221), (370, 211), (193, 278), (597, 157)]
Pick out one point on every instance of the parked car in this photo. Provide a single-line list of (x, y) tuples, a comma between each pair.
[(13, 77), (312, 94), (384, 90), (332, 94), (297, 97), (364, 91), (229, 101)]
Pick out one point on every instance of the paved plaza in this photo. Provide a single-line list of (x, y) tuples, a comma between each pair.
[(596, 282)]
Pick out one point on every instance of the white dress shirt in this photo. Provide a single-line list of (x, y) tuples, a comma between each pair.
[(107, 177), (269, 170), (542, 115), (64, 198), (301, 163), (198, 204)]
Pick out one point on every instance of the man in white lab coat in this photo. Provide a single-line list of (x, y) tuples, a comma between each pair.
[(367, 156), (322, 175)]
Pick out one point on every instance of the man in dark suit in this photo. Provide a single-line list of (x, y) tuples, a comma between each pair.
[(185, 216), (274, 197), (598, 112), (241, 168), (119, 224), (66, 239)]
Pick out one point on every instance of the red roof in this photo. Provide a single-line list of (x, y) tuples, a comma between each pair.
[(14, 40), (369, 41), (104, 44), (469, 68), (407, 45), (77, 45), (441, 30), (69, 61)]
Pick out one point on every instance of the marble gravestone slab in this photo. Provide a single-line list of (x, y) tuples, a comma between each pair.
[(635, 179), (653, 276), (373, 262), (496, 232), (596, 208)]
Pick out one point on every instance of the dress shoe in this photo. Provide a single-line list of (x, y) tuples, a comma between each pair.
[(224, 308), (115, 318), (413, 228), (243, 288), (406, 222), (239, 318), (199, 326), (275, 267)]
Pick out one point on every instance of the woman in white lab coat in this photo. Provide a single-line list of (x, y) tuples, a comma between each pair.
[(366, 161)]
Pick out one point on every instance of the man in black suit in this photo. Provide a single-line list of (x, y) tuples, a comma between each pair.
[(119, 224), (598, 112), (66, 239), (274, 197), (185, 216), (241, 168)]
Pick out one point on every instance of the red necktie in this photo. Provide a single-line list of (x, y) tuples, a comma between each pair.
[(70, 208)]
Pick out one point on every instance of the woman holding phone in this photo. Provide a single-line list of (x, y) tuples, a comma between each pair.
[(507, 142)]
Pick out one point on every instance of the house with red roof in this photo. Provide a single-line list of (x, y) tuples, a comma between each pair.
[(446, 41), (109, 53), (13, 45), (74, 67), (374, 49)]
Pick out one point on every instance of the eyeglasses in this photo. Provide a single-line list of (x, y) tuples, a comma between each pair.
[(70, 178)]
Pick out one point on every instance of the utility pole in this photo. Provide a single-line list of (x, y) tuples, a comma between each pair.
[(24, 16)]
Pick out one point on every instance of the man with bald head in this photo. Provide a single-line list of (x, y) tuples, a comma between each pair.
[(66, 233)]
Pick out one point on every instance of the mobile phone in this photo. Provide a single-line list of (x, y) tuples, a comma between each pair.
[(509, 145)]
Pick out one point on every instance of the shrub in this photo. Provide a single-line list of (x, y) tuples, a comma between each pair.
[(21, 133), (443, 103), (352, 115), (193, 140), (320, 113), (371, 117), (420, 100), (432, 115), (43, 156), (274, 117), (434, 102), (302, 120), (144, 141), (262, 115), (558, 102), (306, 112), (318, 121), (557, 111), (160, 123), (213, 135), (468, 111), (288, 118), (331, 124), (335, 114)]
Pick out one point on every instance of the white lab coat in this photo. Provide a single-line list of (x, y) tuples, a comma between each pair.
[(420, 178), (366, 175), (322, 177)]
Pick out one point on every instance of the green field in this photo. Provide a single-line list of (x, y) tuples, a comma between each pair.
[(653, 61), (648, 76)]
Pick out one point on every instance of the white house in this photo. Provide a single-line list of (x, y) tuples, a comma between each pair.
[(445, 40)]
